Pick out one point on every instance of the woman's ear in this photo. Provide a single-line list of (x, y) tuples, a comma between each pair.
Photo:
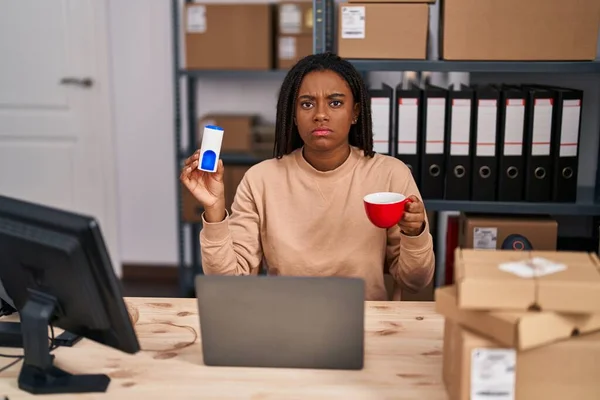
[(356, 113)]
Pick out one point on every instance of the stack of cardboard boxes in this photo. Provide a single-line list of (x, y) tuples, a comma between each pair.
[(247, 36), (505, 30), (294, 33), (522, 325)]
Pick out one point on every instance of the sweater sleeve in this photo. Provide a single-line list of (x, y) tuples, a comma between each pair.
[(233, 246), (410, 259)]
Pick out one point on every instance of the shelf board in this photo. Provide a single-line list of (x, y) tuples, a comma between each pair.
[(591, 67), (201, 73), (241, 159), (503, 207)]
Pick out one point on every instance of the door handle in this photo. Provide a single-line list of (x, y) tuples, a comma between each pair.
[(84, 82)]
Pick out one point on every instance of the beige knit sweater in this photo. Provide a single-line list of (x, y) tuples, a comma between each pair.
[(304, 222)]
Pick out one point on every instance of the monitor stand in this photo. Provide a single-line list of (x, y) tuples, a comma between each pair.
[(38, 374), (12, 336)]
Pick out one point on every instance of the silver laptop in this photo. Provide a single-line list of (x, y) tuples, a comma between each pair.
[(282, 322)]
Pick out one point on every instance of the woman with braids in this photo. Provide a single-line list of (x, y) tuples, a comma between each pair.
[(302, 211)]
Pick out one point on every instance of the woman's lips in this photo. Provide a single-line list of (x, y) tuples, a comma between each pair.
[(321, 131)]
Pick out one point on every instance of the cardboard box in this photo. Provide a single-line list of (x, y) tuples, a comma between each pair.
[(520, 330), (383, 31), (532, 30), (508, 232), (290, 49), (238, 130), (476, 368), (229, 36), (232, 177), (264, 140), (295, 18), (522, 280)]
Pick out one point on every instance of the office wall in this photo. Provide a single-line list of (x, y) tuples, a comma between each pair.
[(143, 104)]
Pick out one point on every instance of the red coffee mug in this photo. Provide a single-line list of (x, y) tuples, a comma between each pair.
[(385, 209)]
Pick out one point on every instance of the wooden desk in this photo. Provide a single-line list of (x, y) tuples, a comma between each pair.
[(403, 360)]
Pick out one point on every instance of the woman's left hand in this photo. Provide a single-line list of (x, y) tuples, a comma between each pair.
[(413, 221)]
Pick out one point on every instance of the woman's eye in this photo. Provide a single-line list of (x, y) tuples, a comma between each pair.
[(336, 103), (306, 105)]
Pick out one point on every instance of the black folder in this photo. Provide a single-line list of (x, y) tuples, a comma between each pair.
[(382, 118), (433, 160), (538, 122), (485, 149), (511, 136), (407, 132), (566, 126), (459, 143)]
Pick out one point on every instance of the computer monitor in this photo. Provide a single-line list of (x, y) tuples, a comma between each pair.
[(55, 267)]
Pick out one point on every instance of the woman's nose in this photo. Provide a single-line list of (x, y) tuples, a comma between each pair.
[(321, 113)]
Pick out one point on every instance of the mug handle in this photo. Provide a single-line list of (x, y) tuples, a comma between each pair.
[(406, 201)]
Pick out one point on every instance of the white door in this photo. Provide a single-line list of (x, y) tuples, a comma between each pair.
[(55, 121)]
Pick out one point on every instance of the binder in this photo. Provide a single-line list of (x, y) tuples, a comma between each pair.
[(408, 128), (459, 144), (511, 136), (538, 125), (484, 175), (433, 161), (566, 127), (382, 118)]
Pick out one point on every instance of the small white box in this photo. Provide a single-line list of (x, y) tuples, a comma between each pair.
[(210, 149)]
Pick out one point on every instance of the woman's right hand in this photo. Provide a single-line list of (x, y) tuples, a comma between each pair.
[(206, 187)]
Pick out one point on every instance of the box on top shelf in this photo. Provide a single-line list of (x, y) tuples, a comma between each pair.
[(517, 30), (521, 330), (295, 18), (478, 368), (383, 30), (228, 36), (521, 280)]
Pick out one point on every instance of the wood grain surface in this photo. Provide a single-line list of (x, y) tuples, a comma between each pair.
[(403, 360)]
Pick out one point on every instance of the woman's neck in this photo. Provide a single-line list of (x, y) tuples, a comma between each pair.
[(326, 161)]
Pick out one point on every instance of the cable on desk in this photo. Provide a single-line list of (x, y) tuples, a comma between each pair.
[(10, 364), (19, 356)]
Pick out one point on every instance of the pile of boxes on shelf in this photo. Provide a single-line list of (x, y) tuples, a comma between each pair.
[(522, 325), (505, 30), (247, 36)]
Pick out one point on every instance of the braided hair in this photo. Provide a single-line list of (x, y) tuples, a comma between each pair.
[(287, 137)]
